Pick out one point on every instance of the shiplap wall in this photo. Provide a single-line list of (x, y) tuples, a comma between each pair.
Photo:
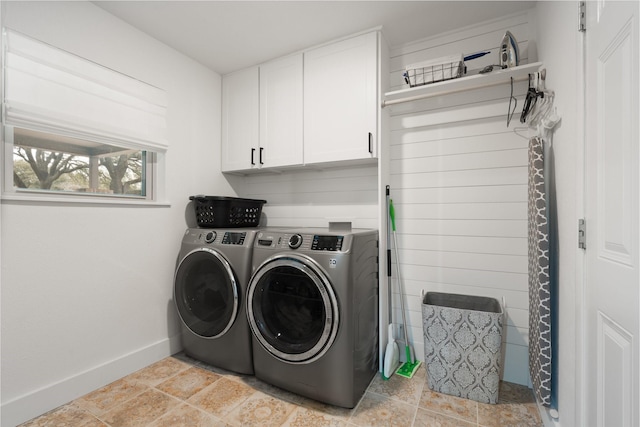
[(459, 186), (458, 180), (313, 198)]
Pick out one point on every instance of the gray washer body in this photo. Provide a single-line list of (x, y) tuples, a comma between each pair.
[(231, 348)]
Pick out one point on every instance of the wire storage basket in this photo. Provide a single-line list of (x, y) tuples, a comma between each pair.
[(231, 212), (437, 70)]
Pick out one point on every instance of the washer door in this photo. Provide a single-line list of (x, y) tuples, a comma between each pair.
[(293, 311), (206, 293)]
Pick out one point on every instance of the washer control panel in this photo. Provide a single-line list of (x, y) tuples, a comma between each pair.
[(228, 238), (219, 237), (233, 238)]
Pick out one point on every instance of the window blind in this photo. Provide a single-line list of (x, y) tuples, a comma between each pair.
[(49, 89)]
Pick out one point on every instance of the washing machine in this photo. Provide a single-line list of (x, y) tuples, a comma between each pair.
[(312, 306), (210, 284)]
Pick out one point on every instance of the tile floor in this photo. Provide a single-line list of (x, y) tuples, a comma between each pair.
[(179, 391)]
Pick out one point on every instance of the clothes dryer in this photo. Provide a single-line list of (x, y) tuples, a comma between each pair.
[(312, 305), (213, 269)]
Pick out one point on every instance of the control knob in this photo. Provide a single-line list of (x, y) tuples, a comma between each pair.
[(295, 241), (210, 237)]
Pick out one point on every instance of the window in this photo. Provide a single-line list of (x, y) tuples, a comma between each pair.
[(75, 128), (47, 162)]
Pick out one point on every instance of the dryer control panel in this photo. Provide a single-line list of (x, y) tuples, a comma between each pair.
[(326, 243), (302, 241)]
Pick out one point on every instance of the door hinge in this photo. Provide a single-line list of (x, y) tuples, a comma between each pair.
[(582, 234), (582, 16)]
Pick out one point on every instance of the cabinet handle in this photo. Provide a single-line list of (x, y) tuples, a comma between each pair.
[(253, 150), (370, 143), (261, 155)]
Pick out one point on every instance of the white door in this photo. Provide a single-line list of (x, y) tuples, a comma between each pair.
[(281, 112), (240, 120), (340, 100), (612, 329)]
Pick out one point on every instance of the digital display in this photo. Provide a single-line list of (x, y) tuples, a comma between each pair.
[(233, 238), (327, 243)]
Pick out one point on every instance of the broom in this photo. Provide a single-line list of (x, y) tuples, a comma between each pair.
[(408, 368), (392, 352)]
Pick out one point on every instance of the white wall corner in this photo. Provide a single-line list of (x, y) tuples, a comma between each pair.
[(38, 402)]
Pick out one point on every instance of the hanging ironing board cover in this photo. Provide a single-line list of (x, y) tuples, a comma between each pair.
[(539, 279)]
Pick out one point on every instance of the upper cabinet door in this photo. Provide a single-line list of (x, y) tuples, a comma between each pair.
[(240, 120), (281, 112), (340, 100)]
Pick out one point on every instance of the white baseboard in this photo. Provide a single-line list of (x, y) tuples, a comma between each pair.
[(38, 402)]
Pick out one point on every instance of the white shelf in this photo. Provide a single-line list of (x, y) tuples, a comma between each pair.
[(461, 84)]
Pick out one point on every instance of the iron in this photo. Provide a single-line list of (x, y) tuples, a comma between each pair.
[(509, 54)]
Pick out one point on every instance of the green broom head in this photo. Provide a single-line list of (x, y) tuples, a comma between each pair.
[(408, 369)]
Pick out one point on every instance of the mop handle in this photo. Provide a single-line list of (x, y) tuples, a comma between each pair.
[(392, 214), (388, 248), (389, 294)]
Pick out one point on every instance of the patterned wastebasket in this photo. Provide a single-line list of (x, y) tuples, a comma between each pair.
[(463, 345)]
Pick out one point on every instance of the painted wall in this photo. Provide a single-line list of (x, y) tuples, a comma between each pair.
[(87, 291)]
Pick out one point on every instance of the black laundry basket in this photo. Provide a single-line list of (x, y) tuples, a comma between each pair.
[(463, 345), (227, 212)]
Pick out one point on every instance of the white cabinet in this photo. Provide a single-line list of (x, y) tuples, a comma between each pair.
[(281, 112), (278, 115), (262, 116), (240, 120), (340, 100)]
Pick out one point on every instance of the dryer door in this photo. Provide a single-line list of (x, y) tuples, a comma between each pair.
[(206, 293), (292, 308)]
